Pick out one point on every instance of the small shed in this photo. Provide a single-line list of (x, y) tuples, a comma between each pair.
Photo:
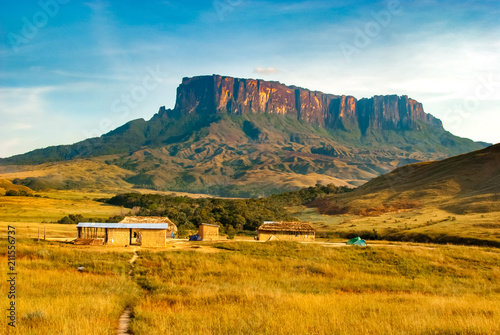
[(171, 230), (209, 232), (286, 231), (145, 231)]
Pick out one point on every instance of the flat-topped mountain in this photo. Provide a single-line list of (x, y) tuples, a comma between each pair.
[(217, 94), (246, 137)]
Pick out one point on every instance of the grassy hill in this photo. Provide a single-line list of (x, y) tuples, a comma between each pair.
[(455, 200), (82, 174), (460, 184)]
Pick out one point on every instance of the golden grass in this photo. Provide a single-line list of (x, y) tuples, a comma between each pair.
[(54, 298), (344, 313), (468, 183), (256, 288), (261, 288), (31, 230), (6, 185), (287, 288), (32, 209)]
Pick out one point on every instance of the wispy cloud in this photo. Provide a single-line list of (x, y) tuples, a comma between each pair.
[(95, 76), (24, 101), (266, 70), (9, 146)]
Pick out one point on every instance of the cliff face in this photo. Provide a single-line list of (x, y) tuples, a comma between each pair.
[(218, 94)]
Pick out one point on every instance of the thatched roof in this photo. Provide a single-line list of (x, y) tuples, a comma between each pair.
[(167, 226), (146, 219), (150, 219), (287, 226)]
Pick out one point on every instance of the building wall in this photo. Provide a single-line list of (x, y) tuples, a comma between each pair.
[(153, 238), (171, 230), (287, 236), (209, 233), (118, 237)]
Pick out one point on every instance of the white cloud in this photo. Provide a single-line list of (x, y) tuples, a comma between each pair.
[(267, 70), (22, 126), (30, 121), (9, 147)]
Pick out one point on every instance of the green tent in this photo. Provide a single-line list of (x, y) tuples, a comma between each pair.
[(357, 241)]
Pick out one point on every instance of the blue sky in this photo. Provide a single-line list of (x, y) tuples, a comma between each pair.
[(75, 69)]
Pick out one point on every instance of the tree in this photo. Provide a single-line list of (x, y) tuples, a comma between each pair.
[(239, 221), (230, 232)]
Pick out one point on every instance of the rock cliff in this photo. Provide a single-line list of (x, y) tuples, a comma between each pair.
[(219, 94)]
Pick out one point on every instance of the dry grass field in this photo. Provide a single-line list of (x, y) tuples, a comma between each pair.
[(289, 288), (53, 207), (248, 287), (253, 288), (53, 297), (431, 222)]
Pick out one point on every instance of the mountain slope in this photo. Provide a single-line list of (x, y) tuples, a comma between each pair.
[(468, 183), (244, 137)]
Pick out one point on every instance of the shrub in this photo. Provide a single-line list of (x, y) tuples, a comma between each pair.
[(20, 193), (230, 232)]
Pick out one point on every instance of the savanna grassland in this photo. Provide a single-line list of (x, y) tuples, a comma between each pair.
[(291, 288), (53, 297), (427, 225), (257, 288), (51, 205), (248, 287)]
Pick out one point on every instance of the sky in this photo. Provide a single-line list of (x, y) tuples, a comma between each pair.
[(71, 70)]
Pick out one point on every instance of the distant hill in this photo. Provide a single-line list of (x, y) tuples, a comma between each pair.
[(468, 183), (246, 137)]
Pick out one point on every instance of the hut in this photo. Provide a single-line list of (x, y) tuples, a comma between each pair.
[(171, 230), (140, 231), (209, 232), (286, 231)]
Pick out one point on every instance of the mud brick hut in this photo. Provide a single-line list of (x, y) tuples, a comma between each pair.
[(208, 232), (286, 231), (138, 231)]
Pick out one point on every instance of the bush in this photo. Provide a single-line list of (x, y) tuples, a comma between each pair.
[(72, 219), (113, 219), (14, 193), (230, 232)]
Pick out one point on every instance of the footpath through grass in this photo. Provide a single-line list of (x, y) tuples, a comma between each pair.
[(256, 288), (53, 297)]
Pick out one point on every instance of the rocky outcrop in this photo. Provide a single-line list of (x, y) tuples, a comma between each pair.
[(218, 94)]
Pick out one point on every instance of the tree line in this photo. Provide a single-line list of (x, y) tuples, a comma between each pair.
[(231, 214)]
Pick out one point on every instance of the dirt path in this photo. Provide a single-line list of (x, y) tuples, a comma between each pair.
[(132, 261), (124, 321)]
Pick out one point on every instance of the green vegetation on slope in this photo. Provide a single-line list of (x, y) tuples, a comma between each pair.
[(243, 155), (242, 214)]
